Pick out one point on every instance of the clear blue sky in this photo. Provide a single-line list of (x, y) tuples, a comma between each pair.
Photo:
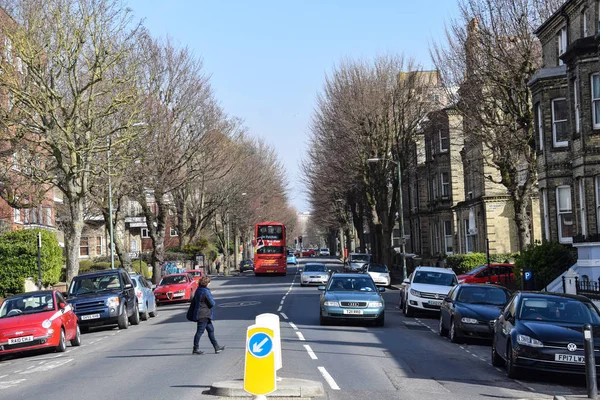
[(268, 59)]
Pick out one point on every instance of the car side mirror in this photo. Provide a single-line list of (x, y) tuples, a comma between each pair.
[(128, 286), (381, 289), (62, 305), (448, 299), (508, 316), (321, 288), (406, 281)]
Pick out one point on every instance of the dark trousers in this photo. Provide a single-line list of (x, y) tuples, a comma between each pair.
[(200, 328)]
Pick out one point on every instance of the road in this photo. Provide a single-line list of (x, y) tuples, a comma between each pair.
[(405, 359)]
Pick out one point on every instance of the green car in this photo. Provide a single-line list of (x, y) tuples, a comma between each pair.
[(352, 296)]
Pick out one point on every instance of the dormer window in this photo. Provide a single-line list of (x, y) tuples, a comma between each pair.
[(561, 39)]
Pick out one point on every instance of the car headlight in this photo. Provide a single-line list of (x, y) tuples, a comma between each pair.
[(331, 304), (465, 320), (112, 301), (415, 292), (374, 304), (529, 341), (46, 324)]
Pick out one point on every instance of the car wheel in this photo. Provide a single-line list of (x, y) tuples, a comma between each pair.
[(381, 320), (497, 361), (511, 369), (454, 334), (144, 315), (76, 341), (442, 331), (408, 310), (135, 317), (62, 342), (122, 321)]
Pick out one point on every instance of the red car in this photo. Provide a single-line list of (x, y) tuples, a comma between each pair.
[(196, 274), (175, 287), (305, 253), (37, 320), (493, 273)]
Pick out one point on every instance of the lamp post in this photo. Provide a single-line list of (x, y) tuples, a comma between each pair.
[(400, 211), (110, 209)]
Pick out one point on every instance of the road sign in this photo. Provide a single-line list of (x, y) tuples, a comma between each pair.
[(271, 321), (528, 275), (259, 371)]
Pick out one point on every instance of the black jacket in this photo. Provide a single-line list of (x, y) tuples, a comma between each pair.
[(201, 306)]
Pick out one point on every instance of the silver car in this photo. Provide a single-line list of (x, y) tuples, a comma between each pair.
[(145, 296), (314, 274)]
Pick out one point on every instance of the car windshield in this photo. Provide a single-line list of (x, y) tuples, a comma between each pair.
[(476, 270), (359, 257), (555, 309), (315, 268), (378, 268), (90, 284), (29, 304), (435, 278), (342, 284), (172, 280), (488, 295)]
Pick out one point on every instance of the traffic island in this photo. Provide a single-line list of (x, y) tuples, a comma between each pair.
[(287, 388)]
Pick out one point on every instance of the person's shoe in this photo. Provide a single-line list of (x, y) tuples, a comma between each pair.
[(219, 349), (197, 352)]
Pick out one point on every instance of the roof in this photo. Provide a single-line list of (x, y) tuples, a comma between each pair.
[(314, 263), (548, 72), (31, 293), (433, 269), (559, 11), (350, 274), (104, 272), (553, 294)]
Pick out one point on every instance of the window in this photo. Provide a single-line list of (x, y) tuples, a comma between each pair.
[(436, 238), (17, 215), (99, 247), (445, 176), (448, 237), (576, 103), (8, 50), (144, 233), (596, 100), (540, 125), (546, 217), (434, 187), (49, 216), (561, 39), (469, 238), (598, 202), (444, 140), (559, 123), (584, 23), (84, 247), (582, 207), (565, 214), (134, 245), (173, 232)]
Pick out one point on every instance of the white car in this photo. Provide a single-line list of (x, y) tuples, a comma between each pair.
[(379, 273), (314, 274), (426, 288), (324, 252)]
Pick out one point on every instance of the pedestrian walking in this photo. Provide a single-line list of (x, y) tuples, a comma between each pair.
[(218, 266), (201, 312)]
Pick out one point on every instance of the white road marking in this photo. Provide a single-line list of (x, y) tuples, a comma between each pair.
[(328, 378), (9, 384), (300, 336), (33, 366), (279, 309), (281, 302), (48, 366), (311, 353), (3, 376), (283, 298), (284, 316), (18, 371), (293, 326)]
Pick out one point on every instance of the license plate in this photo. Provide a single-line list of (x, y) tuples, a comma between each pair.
[(90, 316), (353, 312), (179, 295), (434, 302), (21, 339), (270, 270), (569, 358)]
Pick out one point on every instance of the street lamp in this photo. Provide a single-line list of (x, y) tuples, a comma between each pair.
[(400, 211)]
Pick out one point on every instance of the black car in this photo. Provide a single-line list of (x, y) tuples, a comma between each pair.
[(104, 298), (470, 310), (543, 331), (246, 265)]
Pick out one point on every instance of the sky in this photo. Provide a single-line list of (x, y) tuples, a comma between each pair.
[(268, 59)]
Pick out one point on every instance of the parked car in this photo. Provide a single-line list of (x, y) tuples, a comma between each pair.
[(379, 273), (175, 288), (357, 261), (104, 298), (426, 289), (196, 274), (37, 320), (305, 253), (291, 258), (246, 265), (543, 331), (351, 296), (314, 273), (324, 252), (145, 296), (469, 311), (492, 273)]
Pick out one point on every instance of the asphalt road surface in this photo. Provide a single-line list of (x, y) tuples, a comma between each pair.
[(406, 359)]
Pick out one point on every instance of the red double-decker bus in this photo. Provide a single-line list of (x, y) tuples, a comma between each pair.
[(270, 255)]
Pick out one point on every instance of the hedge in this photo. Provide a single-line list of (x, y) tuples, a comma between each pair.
[(547, 261), (462, 263), (18, 259), (141, 268)]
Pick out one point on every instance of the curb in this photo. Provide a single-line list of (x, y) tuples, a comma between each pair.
[(286, 388)]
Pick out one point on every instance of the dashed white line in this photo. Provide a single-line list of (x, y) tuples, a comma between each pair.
[(300, 336), (293, 326), (281, 302), (284, 316), (283, 298), (279, 309), (33, 366), (328, 378), (311, 353), (3, 376), (18, 371)]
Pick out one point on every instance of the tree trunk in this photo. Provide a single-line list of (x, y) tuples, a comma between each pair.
[(236, 248), (120, 248), (73, 236), (523, 222), (156, 232)]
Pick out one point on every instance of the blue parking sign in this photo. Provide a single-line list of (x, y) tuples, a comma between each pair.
[(528, 275)]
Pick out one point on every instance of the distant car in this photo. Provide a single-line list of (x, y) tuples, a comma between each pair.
[(493, 273), (145, 296), (380, 274), (175, 288), (196, 274), (291, 258), (37, 320), (357, 261), (246, 265), (426, 288), (314, 273), (543, 332), (305, 253), (351, 296), (469, 311), (324, 252)]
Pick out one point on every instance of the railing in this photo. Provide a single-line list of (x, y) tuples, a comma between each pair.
[(589, 289)]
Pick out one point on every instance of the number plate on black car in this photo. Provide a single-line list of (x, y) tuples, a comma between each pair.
[(569, 358)]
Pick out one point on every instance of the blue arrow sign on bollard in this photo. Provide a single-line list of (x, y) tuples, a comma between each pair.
[(260, 345)]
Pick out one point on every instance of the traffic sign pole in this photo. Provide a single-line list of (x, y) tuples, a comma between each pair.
[(259, 370)]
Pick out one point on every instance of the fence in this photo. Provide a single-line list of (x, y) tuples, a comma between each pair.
[(589, 289)]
